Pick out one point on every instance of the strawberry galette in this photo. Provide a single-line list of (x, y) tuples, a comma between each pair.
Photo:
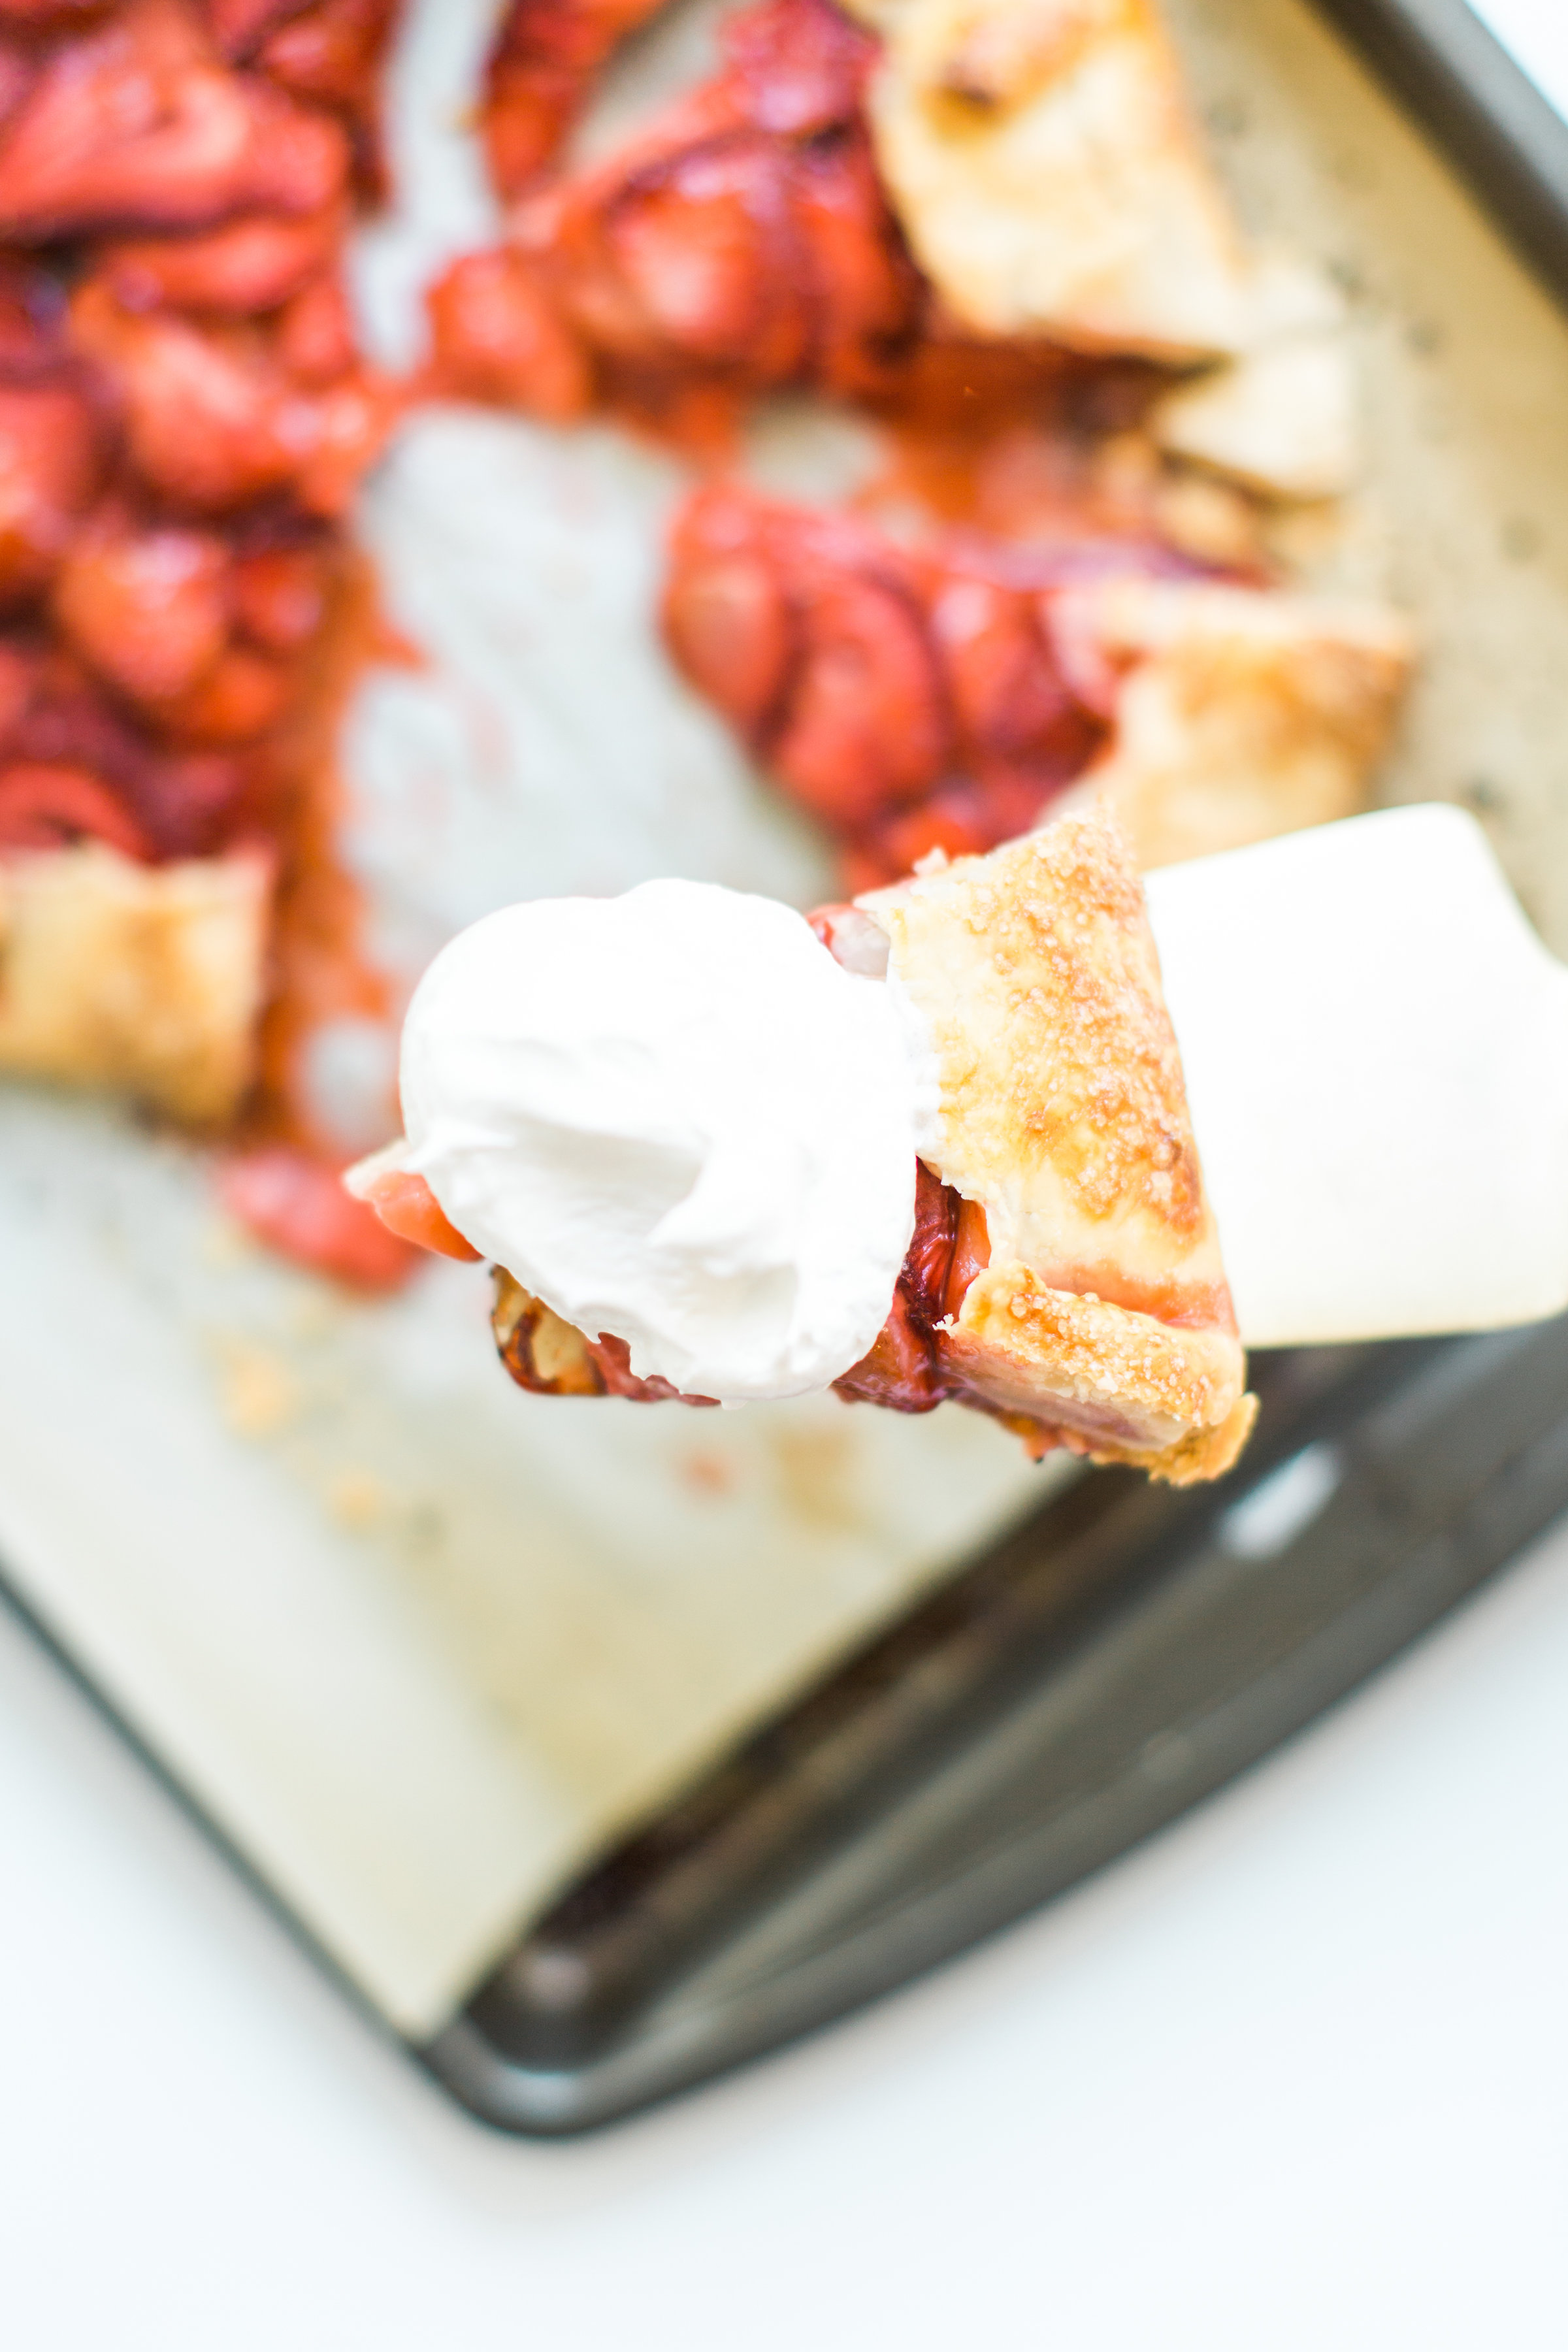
[(1083, 1299)]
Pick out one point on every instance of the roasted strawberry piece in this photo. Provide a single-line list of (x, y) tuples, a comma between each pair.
[(213, 419), (46, 807), (50, 460), (55, 14), (802, 66), (329, 52), (739, 243), (407, 1207), (137, 124), (147, 609), (33, 319), (19, 75), (912, 699), (297, 1205), (902, 1371), (200, 406), (332, 54), (280, 596), (336, 437), (970, 1256), (502, 340), (865, 726), (697, 260), (541, 68), (152, 612), (239, 27), (18, 673), (729, 620), (1006, 689), (246, 266), (316, 336), (182, 802), (864, 299), (808, 630), (240, 700), (962, 817), (793, 69)]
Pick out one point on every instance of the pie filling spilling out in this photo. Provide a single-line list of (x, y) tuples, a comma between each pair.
[(990, 228), (1064, 1274)]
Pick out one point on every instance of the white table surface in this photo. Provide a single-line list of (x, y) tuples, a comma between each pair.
[(1537, 33), (1297, 2076)]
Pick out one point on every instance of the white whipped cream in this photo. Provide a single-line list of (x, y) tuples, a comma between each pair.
[(676, 1119)]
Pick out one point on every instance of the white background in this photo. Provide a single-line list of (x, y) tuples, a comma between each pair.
[(1537, 33), (1296, 2077)]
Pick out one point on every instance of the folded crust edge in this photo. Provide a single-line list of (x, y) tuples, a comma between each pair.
[(1106, 1381)]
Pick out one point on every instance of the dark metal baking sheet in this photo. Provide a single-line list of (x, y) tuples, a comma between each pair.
[(1509, 142), (1118, 1658)]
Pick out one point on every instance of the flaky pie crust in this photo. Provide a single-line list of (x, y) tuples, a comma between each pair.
[(146, 980)]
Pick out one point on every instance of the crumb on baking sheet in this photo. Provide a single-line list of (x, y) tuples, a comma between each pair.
[(817, 1478), (356, 1498), (258, 1395)]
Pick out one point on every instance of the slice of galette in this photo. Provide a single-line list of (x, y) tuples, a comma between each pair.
[(1064, 1274), (1081, 1297), (1235, 713), (1044, 162)]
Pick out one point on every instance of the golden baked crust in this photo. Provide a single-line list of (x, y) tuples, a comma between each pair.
[(1101, 1380), (1063, 1111), (1042, 161), (1240, 713), (145, 979), (1102, 1319), (1283, 417)]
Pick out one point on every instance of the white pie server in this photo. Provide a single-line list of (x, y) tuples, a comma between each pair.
[(1376, 1051)]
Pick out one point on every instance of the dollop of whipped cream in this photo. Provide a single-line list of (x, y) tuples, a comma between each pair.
[(676, 1120)]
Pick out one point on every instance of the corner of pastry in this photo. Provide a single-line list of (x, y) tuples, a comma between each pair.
[(1043, 161), (1095, 1312), (147, 980), (1107, 1382), (1282, 418), (1239, 713)]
